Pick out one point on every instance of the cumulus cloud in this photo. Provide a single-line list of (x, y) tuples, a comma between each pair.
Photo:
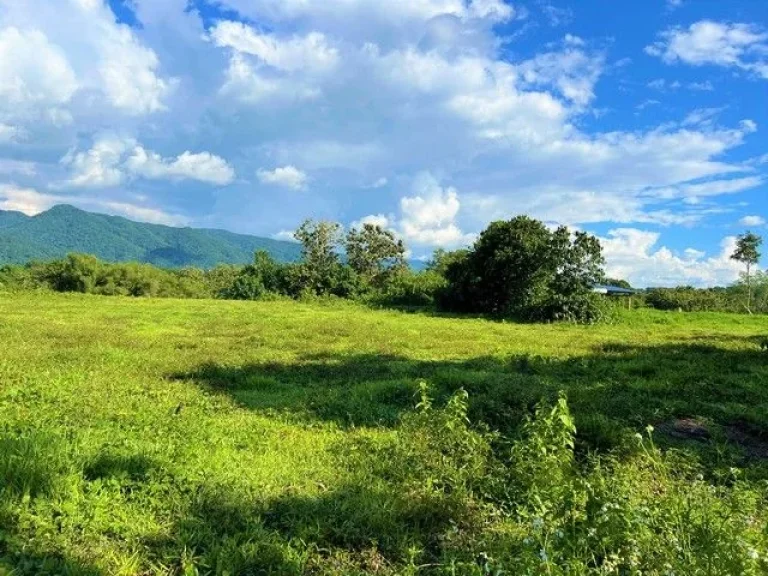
[(724, 44), (267, 66), (111, 160), (50, 53), (636, 255), (428, 218), (203, 167), (312, 52), (285, 176), (33, 70)]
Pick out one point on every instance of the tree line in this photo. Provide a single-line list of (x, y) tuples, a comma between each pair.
[(518, 268)]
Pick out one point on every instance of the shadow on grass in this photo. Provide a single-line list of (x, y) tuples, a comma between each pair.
[(355, 528), (616, 387), (30, 467)]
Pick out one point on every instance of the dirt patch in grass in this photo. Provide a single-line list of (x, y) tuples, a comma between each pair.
[(754, 445), (686, 429)]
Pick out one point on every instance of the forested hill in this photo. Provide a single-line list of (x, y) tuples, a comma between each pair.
[(64, 229)]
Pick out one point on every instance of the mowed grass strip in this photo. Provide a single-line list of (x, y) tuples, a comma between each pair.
[(147, 436)]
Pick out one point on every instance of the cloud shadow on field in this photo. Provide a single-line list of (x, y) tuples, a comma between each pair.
[(31, 464), (616, 387)]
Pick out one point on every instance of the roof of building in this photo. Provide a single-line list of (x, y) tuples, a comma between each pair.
[(617, 290)]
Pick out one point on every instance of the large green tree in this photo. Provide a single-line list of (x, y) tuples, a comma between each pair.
[(321, 271), (747, 252), (374, 253), (521, 268)]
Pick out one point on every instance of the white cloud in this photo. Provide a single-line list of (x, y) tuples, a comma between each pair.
[(647, 103), (702, 116), (636, 256), (710, 188), (25, 200), (373, 219), (285, 176), (268, 67), (572, 72), (663, 85), (307, 53), (98, 167), (428, 218), (395, 13), (246, 83), (705, 86), (49, 52), (555, 15), (134, 212), (203, 167), (496, 10), (112, 160), (752, 221), (285, 236), (722, 44), (32, 70)]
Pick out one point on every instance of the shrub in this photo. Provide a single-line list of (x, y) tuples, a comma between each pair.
[(417, 289)]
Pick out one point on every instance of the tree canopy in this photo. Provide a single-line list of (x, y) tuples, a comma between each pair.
[(520, 268)]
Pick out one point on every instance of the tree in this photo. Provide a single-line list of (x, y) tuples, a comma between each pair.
[(374, 253), (257, 280), (320, 266), (747, 252), (621, 283), (520, 268)]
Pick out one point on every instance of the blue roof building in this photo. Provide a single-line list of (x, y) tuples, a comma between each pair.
[(612, 290)]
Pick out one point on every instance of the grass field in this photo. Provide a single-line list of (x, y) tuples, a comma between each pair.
[(143, 436)]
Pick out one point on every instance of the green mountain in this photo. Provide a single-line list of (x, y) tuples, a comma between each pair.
[(8, 218), (64, 229)]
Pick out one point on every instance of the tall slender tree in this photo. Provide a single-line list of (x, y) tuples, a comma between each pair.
[(320, 259), (748, 253)]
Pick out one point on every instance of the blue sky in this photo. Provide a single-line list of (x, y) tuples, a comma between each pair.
[(642, 122)]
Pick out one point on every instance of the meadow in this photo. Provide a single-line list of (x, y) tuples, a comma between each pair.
[(149, 437)]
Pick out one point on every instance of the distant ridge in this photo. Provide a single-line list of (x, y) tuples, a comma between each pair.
[(64, 229)]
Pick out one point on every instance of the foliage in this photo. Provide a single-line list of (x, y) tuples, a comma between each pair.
[(690, 299), (86, 274), (374, 254), (320, 266), (747, 252), (263, 277), (617, 282), (409, 289), (519, 268)]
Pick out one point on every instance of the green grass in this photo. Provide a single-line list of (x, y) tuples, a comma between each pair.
[(144, 436)]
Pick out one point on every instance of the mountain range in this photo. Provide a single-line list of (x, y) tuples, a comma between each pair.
[(64, 229)]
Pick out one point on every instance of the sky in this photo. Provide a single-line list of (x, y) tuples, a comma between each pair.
[(643, 123)]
